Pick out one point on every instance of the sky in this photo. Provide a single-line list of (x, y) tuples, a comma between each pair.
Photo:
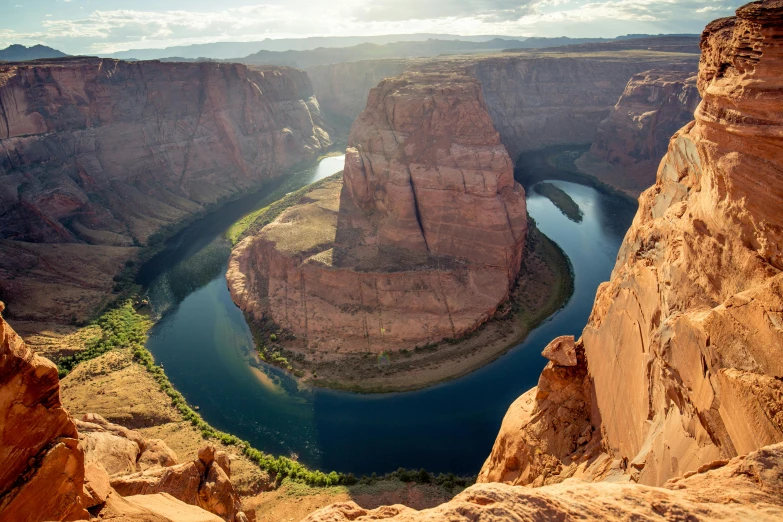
[(105, 26)]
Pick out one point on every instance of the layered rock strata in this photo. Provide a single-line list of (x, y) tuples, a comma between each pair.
[(420, 241), (536, 99), (684, 346), (103, 152), (632, 140)]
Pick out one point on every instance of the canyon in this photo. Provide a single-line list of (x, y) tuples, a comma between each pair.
[(674, 387), (670, 402), (100, 155)]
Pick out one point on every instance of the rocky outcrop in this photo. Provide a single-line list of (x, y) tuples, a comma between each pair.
[(120, 450), (420, 242), (630, 143), (103, 152), (41, 463), (205, 482), (746, 488), (683, 348)]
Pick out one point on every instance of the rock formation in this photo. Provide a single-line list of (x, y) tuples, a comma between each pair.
[(746, 488), (104, 152), (674, 407), (632, 140), (684, 346), (42, 465), (52, 472), (421, 242), (536, 99)]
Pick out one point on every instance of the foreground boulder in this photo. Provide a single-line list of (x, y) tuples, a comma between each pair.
[(684, 347), (420, 241), (41, 463), (205, 482)]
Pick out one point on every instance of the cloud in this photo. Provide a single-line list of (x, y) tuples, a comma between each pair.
[(106, 31), (485, 10)]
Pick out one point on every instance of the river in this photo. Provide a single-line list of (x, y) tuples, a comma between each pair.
[(203, 341)]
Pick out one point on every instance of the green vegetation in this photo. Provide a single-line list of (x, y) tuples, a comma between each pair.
[(122, 327), (262, 217), (561, 200), (125, 328)]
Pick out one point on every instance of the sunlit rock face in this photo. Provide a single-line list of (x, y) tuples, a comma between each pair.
[(42, 464), (683, 351), (746, 488), (420, 241)]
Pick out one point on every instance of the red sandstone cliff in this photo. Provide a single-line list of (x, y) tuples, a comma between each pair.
[(632, 140), (41, 463), (104, 152), (672, 400), (420, 243), (683, 349)]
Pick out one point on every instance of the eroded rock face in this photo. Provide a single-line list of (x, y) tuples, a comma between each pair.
[(204, 482), (746, 488), (41, 463), (684, 347), (87, 140), (635, 136), (424, 159), (104, 152), (420, 242), (535, 99)]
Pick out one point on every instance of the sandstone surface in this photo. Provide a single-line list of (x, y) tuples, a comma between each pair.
[(420, 241), (41, 463), (746, 488), (630, 143), (203, 482), (104, 153), (684, 346)]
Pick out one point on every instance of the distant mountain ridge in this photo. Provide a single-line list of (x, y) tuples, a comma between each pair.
[(19, 53), (235, 50)]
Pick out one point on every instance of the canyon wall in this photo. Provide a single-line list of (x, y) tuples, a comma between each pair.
[(42, 464), (420, 241), (630, 143), (104, 152), (680, 362), (671, 402), (535, 99)]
